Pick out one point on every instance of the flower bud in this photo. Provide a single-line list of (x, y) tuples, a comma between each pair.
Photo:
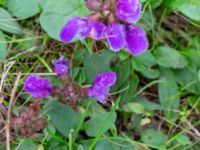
[(93, 5)]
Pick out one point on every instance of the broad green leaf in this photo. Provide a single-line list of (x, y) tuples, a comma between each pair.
[(62, 116), (3, 47), (56, 145), (94, 64), (134, 107), (8, 23), (154, 139), (94, 124), (170, 58), (173, 4), (195, 103), (130, 89), (2, 2), (169, 94), (144, 63), (56, 14), (188, 78), (23, 8), (183, 139), (149, 105), (114, 144), (122, 68), (155, 3), (191, 9), (27, 144)]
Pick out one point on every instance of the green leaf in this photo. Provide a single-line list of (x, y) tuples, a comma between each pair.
[(148, 104), (134, 107), (8, 23), (27, 144), (116, 143), (3, 47), (183, 139), (153, 138), (23, 8), (62, 116), (94, 64), (106, 145), (170, 58), (191, 9), (122, 68), (93, 125), (56, 14), (188, 78), (129, 93), (143, 63), (169, 94), (2, 2)]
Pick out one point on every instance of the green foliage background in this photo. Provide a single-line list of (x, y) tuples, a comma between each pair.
[(156, 95)]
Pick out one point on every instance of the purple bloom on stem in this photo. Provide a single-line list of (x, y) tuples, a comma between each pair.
[(75, 27), (97, 30), (128, 10), (38, 87), (115, 35), (101, 86), (61, 66), (136, 41)]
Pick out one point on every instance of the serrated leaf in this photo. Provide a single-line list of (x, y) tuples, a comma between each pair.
[(170, 58), (62, 116), (23, 8), (8, 23), (56, 14), (3, 47)]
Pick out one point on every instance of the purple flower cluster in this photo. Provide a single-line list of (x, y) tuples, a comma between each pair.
[(41, 87), (38, 87), (112, 21), (101, 86), (61, 66)]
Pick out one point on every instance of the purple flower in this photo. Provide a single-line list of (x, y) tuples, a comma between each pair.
[(61, 66), (136, 41), (75, 27), (97, 30), (101, 86), (115, 34), (128, 10), (38, 87)]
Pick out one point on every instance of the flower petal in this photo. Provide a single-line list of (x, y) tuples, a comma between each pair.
[(128, 10), (38, 87), (136, 41), (97, 30), (75, 27), (101, 86), (61, 66), (70, 30), (115, 35)]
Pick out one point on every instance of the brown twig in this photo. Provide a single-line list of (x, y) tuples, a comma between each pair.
[(12, 97)]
